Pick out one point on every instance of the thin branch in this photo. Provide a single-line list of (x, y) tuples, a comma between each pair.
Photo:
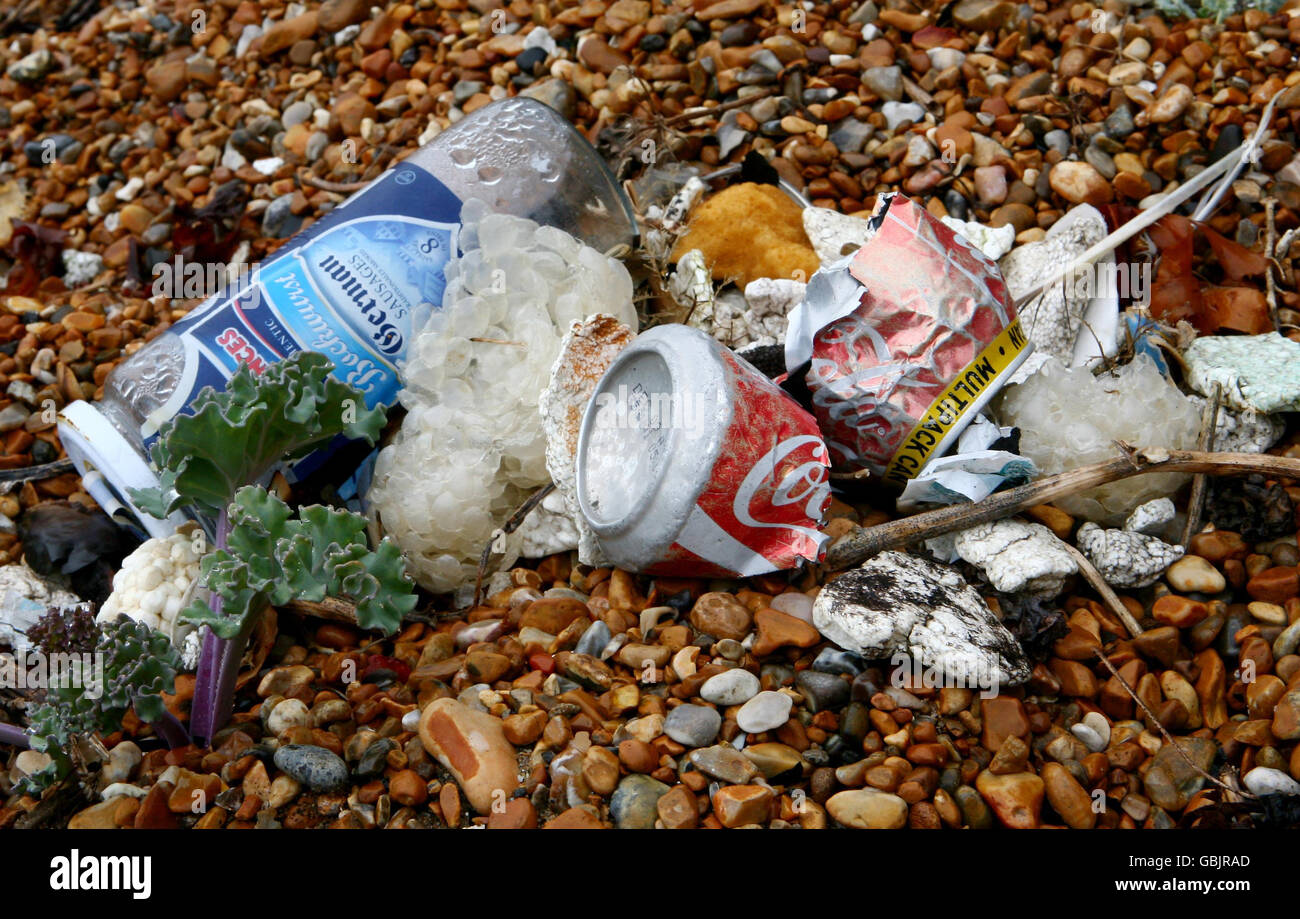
[(858, 547), (1108, 596), (696, 114), (1270, 242), (1165, 734), (509, 526), (342, 188), (37, 473), (1196, 502)]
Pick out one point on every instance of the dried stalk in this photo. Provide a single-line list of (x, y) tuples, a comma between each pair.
[(696, 114), (1270, 243), (1196, 502), (37, 473), (341, 188), (1093, 577), (336, 610), (509, 526), (858, 547), (1165, 734)]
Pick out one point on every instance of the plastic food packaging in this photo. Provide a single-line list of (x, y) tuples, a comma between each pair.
[(354, 286), (903, 342)]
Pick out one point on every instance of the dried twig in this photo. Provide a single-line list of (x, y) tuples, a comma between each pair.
[(57, 805), (1165, 734), (336, 610), (1270, 242), (342, 188), (37, 473), (696, 114), (1196, 503), (857, 547), (1093, 577), (509, 526)]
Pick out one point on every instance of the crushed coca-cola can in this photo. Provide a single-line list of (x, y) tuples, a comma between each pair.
[(904, 341), (690, 462)]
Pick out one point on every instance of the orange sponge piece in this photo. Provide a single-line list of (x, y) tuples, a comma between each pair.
[(750, 231)]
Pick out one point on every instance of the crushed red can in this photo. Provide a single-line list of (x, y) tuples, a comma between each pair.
[(691, 462), (905, 341)]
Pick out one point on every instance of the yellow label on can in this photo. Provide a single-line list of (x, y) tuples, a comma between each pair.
[(947, 411)]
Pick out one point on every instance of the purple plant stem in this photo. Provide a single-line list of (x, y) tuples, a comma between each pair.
[(14, 736), (206, 712), (170, 731)]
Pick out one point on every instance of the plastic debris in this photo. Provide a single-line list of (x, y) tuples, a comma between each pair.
[(974, 471), (901, 603), (1070, 418), (1258, 373), (1018, 557), (1076, 320), (585, 354), (1126, 558), (904, 343), (994, 242)]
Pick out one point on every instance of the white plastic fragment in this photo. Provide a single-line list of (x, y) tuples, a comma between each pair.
[(994, 242), (1018, 557), (834, 235), (1076, 320), (972, 472), (1126, 558), (902, 603), (1258, 373)]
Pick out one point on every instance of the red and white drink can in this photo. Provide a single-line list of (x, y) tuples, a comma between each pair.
[(692, 463)]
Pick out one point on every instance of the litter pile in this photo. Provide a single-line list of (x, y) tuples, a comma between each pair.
[(796, 456)]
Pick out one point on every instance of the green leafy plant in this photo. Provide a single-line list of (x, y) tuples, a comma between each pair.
[(232, 438), (139, 665), (272, 556), (265, 554)]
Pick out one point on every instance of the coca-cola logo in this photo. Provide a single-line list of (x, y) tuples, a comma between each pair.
[(804, 483)]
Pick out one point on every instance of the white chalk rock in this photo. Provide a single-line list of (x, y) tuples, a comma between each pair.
[(1152, 517), (1126, 558), (994, 242), (1018, 557), (899, 602)]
